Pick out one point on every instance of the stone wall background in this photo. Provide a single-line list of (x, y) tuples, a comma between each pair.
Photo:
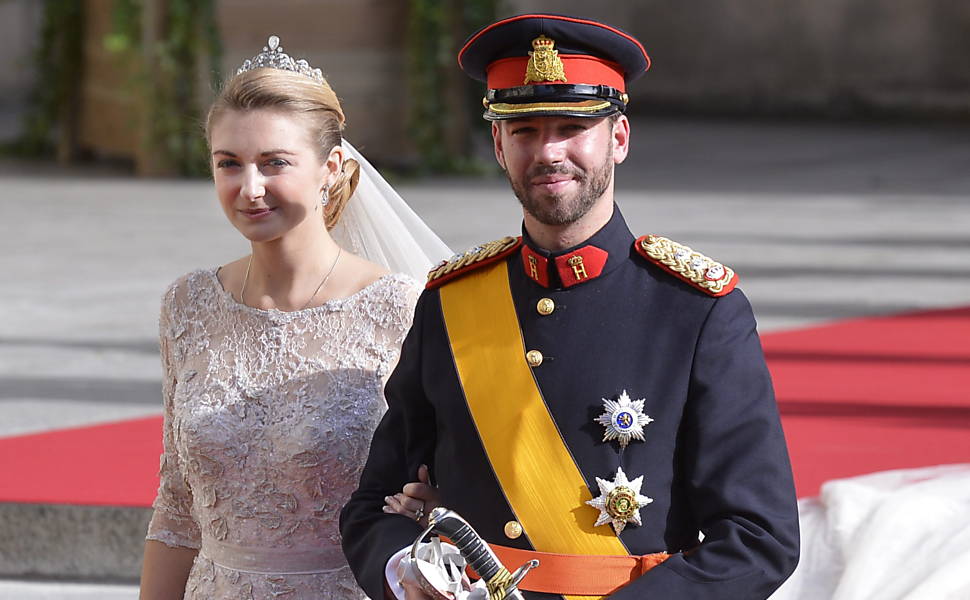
[(828, 58), (907, 58), (19, 23), (359, 45)]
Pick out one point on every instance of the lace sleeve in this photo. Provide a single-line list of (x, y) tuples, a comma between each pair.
[(401, 316), (172, 522)]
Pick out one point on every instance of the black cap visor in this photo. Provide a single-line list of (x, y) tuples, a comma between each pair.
[(563, 100)]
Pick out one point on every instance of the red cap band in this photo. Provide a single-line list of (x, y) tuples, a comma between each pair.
[(579, 68)]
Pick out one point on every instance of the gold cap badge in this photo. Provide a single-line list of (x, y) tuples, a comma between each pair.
[(544, 62)]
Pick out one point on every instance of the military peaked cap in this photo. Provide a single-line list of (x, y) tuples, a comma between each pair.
[(553, 65)]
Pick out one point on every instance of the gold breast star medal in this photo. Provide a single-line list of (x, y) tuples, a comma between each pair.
[(624, 419), (619, 501)]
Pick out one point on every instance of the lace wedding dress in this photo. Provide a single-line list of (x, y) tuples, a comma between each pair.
[(268, 419)]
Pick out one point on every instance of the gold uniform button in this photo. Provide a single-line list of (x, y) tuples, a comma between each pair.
[(513, 530), (545, 306), (534, 358)]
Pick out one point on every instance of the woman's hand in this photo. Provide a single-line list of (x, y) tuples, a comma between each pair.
[(416, 499)]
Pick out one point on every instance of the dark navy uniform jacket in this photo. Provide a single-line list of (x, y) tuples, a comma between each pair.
[(714, 460)]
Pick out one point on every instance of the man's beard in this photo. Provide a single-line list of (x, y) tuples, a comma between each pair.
[(563, 209)]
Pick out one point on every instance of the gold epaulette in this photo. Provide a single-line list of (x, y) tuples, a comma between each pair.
[(697, 270), (472, 259)]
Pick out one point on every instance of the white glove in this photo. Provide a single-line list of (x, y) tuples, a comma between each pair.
[(440, 565)]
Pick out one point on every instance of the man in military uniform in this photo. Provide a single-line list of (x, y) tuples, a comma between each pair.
[(593, 399)]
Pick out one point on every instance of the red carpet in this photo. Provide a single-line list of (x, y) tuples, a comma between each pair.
[(856, 397), (874, 394), (113, 465)]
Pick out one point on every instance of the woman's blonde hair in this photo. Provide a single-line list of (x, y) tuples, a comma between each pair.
[(315, 102)]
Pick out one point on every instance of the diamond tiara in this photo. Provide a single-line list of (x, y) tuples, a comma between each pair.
[(273, 57)]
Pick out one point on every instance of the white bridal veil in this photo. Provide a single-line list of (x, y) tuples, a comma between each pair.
[(378, 225), (894, 535)]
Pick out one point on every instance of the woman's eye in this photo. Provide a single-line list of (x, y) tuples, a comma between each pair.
[(277, 162), (226, 163)]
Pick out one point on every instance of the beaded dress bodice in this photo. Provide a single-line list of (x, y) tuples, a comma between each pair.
[(268, 420)]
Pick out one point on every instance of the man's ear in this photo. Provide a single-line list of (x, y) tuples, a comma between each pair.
[(497, 141), (621, 139)]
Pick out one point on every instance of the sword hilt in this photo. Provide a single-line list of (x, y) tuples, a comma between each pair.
[(501, 583), (450, 524)]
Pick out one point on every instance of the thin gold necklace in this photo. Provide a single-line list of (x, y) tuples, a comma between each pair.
[(323, 282)]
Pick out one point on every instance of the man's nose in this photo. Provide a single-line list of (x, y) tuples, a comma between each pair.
[(254, 185), (551, 151)]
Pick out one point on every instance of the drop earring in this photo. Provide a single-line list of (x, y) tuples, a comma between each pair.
[(325, 198)]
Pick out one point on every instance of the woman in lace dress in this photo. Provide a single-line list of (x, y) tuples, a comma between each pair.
[(274, 364)]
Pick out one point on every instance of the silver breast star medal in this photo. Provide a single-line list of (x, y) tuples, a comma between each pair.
[(624, 419), (619, 501)]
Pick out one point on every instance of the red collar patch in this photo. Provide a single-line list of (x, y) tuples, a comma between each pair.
[(536, 266), (581, 265), (574, 268)]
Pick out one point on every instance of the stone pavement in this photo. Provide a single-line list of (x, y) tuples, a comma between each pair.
[(822, 221), (32, 590)]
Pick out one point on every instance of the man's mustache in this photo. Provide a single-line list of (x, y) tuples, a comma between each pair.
[(544, 170)]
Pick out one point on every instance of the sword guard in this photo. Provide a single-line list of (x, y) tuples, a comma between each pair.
[(501, 584)]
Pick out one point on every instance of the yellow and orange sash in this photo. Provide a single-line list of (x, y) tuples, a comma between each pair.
[(538, 475)]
